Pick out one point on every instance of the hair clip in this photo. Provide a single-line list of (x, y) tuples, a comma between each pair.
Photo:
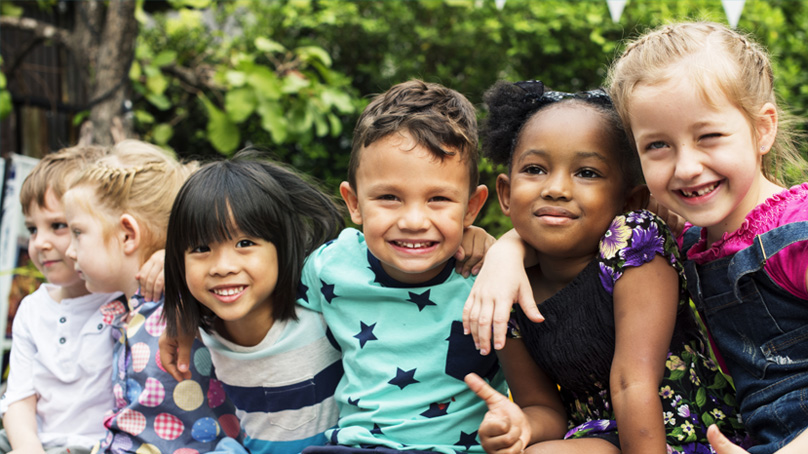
[(534, 89)]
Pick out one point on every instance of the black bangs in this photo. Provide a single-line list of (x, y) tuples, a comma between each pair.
[(221, 200)]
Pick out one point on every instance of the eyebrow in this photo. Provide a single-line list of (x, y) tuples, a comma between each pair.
[(578, 154)]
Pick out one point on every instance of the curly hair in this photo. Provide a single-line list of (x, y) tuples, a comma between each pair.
[(511, 105)]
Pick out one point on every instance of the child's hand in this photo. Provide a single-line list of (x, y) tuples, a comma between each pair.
[(504, 429), (175, 355), (721, 443), (151, 276), (471, 254), (501, 282), (675, 222)]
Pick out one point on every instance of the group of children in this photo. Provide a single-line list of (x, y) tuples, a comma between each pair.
[(282, 331)]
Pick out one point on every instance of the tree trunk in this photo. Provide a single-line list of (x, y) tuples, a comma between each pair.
[(114, 51)]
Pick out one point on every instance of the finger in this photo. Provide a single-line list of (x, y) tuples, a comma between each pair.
[(184, 356), (474, 314), (484, 391), (484, 320), (159, 287), (721, 443), (528, 305)]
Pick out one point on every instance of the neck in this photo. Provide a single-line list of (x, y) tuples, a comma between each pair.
[(557, 273), (244, 333)]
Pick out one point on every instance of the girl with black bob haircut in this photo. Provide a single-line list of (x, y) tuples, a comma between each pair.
[(238, 235)]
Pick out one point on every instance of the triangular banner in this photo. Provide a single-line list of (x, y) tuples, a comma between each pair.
[(500, 4), (616, 9), (733, 10)]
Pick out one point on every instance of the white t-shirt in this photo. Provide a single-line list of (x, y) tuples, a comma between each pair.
[(62, 353)]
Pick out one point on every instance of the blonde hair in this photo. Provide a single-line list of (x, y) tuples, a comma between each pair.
[(138, 179), (55, 172), (719, 61)]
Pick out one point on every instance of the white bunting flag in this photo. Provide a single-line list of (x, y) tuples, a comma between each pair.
[(733, 10)]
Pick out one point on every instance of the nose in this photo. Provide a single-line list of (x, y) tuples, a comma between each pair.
[(688, 164), (41, 242), (414, 217), (222, 262), (557, 186), (71, 250)]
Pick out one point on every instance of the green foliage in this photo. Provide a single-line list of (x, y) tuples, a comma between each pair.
[(294, 75), (5, 96)]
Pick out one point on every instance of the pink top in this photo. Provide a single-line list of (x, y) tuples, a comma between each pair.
[(786, 268)]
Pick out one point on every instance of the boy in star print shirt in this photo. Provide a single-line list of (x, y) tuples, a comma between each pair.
[(389, 294)]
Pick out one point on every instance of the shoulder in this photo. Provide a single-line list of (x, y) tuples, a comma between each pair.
[(634, 239)]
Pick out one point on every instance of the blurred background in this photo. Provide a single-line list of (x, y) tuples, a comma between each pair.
[(205, 78)]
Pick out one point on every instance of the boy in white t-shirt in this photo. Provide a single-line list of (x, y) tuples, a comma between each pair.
[(59, 385)]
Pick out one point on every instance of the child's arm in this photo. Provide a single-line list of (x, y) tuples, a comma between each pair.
[(645, 304), (175, 355), (476, 242), (536, 414), (722, 445), (151, 276), (21, 428), (501, 282)]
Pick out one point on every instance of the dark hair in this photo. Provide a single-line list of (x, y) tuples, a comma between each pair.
[(263, 199), (438, 118), (511, 105)]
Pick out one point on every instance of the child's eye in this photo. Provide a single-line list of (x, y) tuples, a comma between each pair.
[(31, 230), (588, 173), (534, 170), (76, 233), (388, 197), (656, 145), (245, 243), (439, 198), (713, 135), (59, 225), (200, 249)]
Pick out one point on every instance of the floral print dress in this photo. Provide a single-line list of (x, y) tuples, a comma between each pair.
[(575, 345)]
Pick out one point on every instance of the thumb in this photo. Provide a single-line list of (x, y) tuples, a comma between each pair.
[(484, 391), (721, 443)]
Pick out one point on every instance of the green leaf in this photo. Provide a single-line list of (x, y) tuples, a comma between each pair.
[(9, 9), (701, 396), (157, 83), (265, 82), (197, 4), (165, 58), (222, 133), (5, 104), (294, 82), (159, 101), (236, 78), (144, 117), (309, 53), (135, 71), (707, 419), (338, 99), (335, 124), (273, 121), (162, 133), (79, 117), (267, 45), (239, 104), (320, 125)]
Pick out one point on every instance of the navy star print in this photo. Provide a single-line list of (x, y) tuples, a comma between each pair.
[(376, 430), (403, 378), (467, 440), (327, 291), (355, 403), (365, 334), (302, 292), (436, 409), (421, 300)]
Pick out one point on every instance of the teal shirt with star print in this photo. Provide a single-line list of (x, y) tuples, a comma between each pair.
[(403, 351)]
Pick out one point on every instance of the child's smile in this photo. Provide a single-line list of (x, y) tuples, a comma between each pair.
[(412, 206)]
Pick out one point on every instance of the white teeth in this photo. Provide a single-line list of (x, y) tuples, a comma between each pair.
[(700, 192), (228, 291), (412, 245)]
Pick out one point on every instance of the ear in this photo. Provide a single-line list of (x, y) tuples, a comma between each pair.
[(130, 234), (476, 202), (504, 193), (352, 201), (637, 198), (766, 128)]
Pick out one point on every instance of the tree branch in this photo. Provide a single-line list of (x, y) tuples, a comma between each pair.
[(42, 32)]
